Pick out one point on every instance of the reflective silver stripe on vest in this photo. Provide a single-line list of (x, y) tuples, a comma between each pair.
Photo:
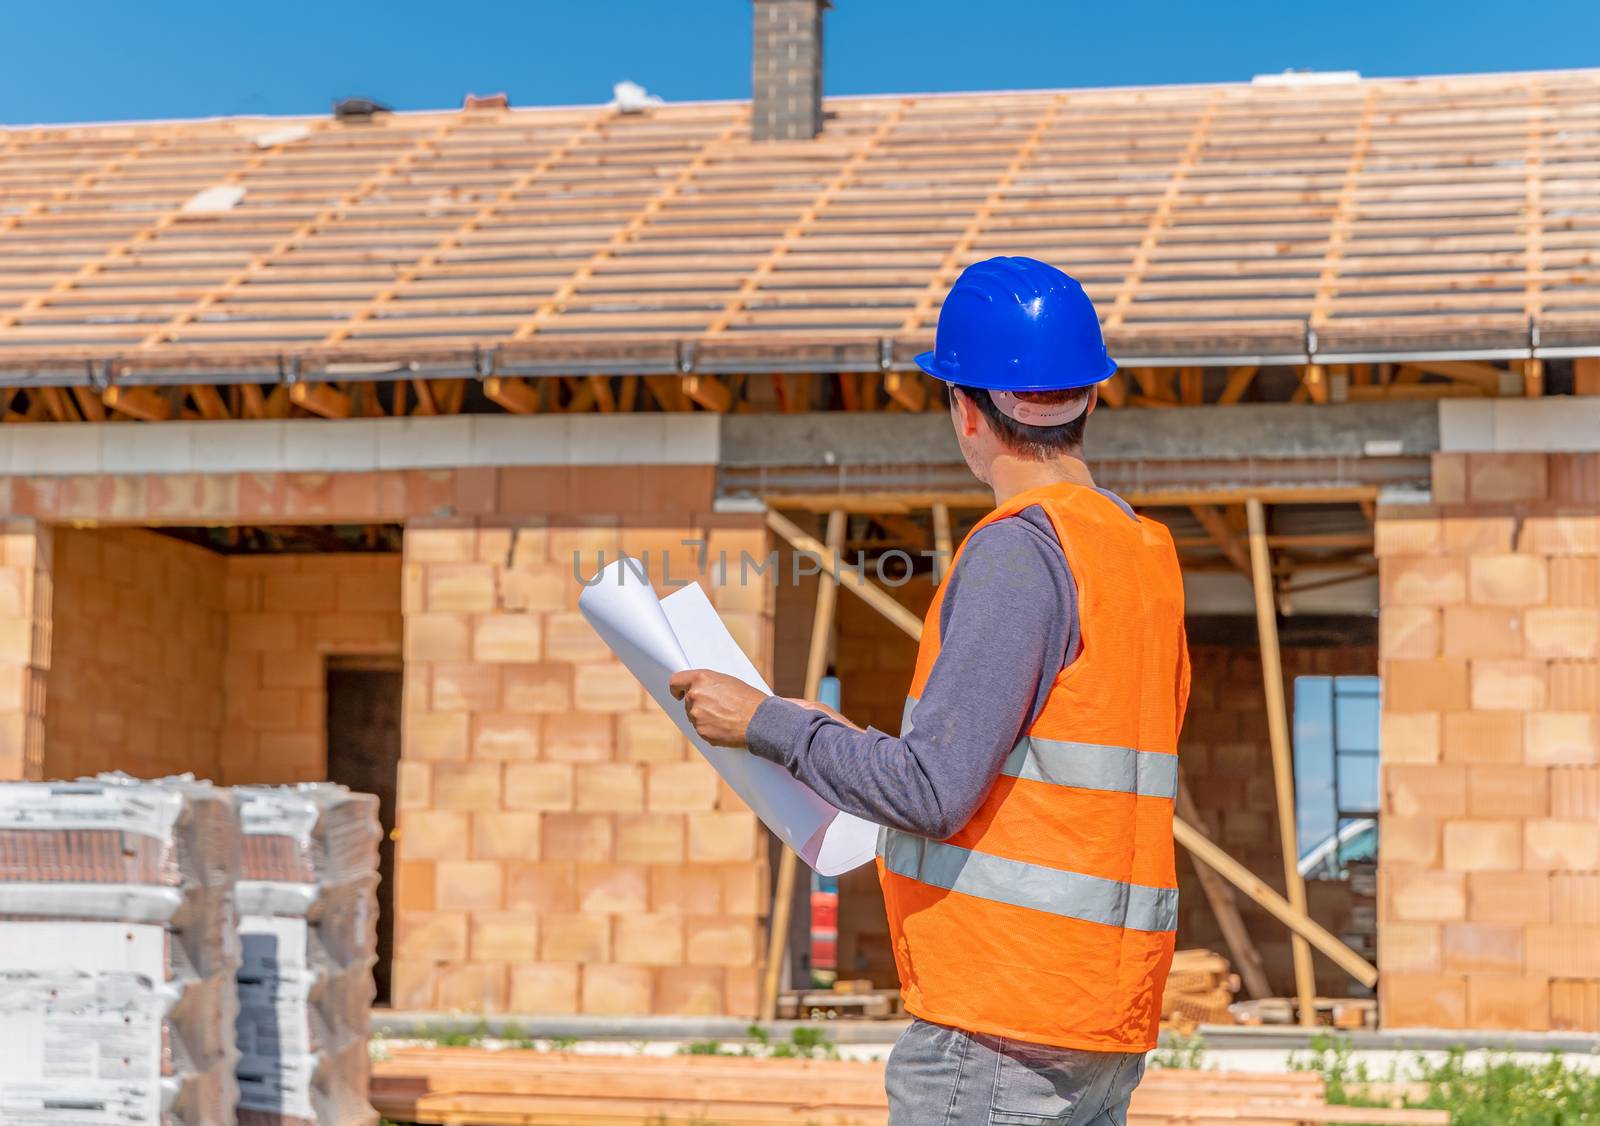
[(1090, 766), (1085, 766), (1071, 895)]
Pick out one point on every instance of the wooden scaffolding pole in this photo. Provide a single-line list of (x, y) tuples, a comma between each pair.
[(816, 665), (1278, 735), (1252, 971), (943, 553), (1301, 926)]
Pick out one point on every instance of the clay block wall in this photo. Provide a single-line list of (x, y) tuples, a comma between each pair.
[(1227, 764), (562, 848), (171, 658), (1490, 876), (286, 615), (136, 673)]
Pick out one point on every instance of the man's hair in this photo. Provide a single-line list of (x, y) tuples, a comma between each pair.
[(1036, 443)]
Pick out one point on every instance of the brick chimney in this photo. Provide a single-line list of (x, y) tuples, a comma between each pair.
[(786, 69)]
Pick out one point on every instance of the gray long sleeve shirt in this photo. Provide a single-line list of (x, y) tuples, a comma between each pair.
[(1008, 625)]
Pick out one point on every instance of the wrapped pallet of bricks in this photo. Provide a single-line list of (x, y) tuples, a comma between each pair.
[(308, 925), (118, 950)]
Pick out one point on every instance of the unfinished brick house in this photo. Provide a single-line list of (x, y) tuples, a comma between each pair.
[(312, 425)]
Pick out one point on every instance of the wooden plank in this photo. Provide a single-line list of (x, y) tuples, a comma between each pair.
[(477, 1086), (449, 394), (511, 394), (1278, 737), (668, 392), (1246, 955), (137, 402), (208, 402), (1533, 378), (709, 391), (1211, 519), (1313, 384), (1534, 216), (321, 398), (1298, 922), (873, 595), (1416, 391), (1191, 386), (1586, 375), (277, 403), (821, 644), (61, 406), (908, 389), (943, 546), (1477, 373), (89, 404)]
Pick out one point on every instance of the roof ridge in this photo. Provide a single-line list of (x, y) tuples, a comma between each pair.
[(1008, 92)]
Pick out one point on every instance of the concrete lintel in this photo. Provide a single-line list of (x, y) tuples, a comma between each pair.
[(1265, 430)]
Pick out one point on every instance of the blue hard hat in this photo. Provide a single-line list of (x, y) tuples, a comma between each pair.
[(1018, 324)]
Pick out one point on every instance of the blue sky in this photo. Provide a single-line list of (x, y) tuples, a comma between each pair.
[(91, 60)]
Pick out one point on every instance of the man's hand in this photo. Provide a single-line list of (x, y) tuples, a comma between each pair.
[(720, 706)]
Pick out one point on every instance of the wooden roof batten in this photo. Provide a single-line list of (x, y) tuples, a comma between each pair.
[(1393, 221)]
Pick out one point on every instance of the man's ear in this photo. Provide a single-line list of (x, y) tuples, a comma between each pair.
[(1094, 400), (966, 412)]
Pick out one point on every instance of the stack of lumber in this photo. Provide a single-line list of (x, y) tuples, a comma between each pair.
[(1340, 1012), (853, 998), (307, 922), (461, 1086), (1199, 990), (118, 948)]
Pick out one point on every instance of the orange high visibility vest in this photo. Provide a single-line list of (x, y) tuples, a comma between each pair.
[(1050, 916)]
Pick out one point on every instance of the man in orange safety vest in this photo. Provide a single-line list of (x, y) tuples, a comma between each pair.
[(1026, 855)]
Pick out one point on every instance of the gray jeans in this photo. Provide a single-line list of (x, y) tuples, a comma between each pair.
[(942, 1076)]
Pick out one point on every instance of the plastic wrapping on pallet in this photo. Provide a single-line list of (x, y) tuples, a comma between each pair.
[(82, 1048), (313, 833), (119, 942), (308, 937), (309, 1090)]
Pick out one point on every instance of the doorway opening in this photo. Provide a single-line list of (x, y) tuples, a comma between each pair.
[(364, 754)]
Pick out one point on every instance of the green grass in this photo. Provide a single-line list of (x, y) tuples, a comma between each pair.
[(1496, 1091), (510, 1035), (1180, 1052), (804, 1043), (1499, 1091)]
